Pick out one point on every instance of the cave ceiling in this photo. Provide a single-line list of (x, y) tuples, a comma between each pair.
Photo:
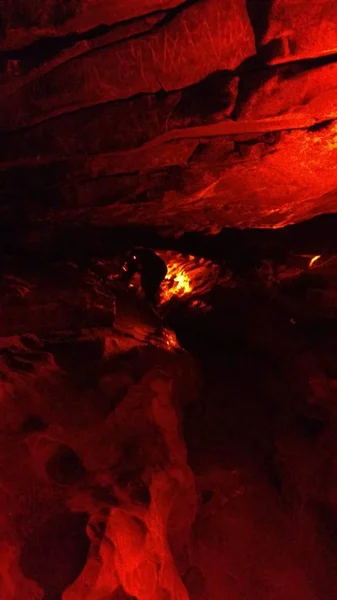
[(182, 116)]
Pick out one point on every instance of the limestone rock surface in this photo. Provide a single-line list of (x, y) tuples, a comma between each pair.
[(182, 116)]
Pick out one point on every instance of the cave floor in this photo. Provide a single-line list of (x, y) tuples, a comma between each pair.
[(204, 445)]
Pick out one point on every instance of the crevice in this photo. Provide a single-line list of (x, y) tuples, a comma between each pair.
[(321, 126), (258, 63), (172, 13), (306, 64), (258, 12), (197, 152), (47, 48)]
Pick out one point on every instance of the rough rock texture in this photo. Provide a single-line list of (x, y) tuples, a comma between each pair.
[(94, 471), (192, 458), (134, 469), (176, 115)]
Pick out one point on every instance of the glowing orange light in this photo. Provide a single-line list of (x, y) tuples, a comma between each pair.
[(170, 339), (314, 260), (177, 282)]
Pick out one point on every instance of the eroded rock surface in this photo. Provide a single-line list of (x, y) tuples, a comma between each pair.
[(134, 469), (92, 422)]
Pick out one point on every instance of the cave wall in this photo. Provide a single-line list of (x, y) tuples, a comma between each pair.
[(180, 115), (134, 469), (176, 116)]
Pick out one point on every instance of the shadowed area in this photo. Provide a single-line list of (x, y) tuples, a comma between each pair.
[(56, 552)]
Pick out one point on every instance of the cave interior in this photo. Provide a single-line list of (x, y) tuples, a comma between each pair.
[(187, 452)]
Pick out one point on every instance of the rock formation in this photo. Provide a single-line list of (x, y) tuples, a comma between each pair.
[(191, 456), (131, 468), (191, 115)]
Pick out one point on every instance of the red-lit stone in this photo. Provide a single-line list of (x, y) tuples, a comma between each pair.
[(203, 38), (298, 29)]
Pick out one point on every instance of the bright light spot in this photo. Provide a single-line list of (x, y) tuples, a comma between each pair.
[(170, 339), (177, 282), (181, 283), (314, 260)]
